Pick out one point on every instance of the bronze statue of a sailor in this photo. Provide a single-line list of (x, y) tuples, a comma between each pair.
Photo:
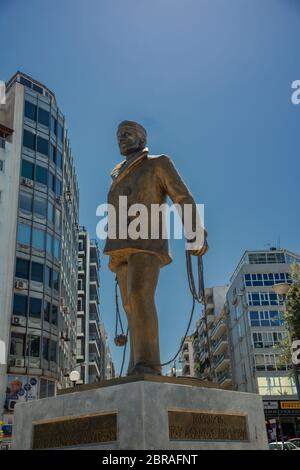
[(145, 180)]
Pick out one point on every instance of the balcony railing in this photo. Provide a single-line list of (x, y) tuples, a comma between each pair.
[(222, 338), (220, 323), (220, 359)]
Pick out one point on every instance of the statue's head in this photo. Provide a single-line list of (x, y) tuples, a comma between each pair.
[(132, 137)]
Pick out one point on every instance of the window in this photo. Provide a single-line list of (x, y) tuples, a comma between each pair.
[(44, 117), (52, 153), (60, 132), (35, 307), (30, 110), (29, 140), (48, 277), (268, 362), (56, 247), (42, 145), (263, 298), (45, 353), (38, 239), (267, 339), (51, 181), (2, 165), (33, 346), (59, 159), (54, 315), (57, 218), (17, 344), (40, 207), (26, 202), (41, 175), (37, 88), (25, 82), (23, 234), (50, 212), (22, 268), (37, 272), (27, 169), (53, 124), (266, 318), (47, 388), (20, 305), (46, 310), (58, 187), (49, 244), (56, 280), (53, 351), (266, 279), (266, 258)]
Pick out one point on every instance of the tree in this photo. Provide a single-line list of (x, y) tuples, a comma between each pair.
[(292, 313)]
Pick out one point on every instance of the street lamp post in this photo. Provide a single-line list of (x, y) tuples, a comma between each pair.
[(281, 289)]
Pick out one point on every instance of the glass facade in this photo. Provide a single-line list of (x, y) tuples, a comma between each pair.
[(43, 331)]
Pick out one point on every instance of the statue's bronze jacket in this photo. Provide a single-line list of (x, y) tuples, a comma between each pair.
[(147, 180)]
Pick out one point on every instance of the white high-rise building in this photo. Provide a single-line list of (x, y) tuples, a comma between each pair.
[(256, 331), (91, 336), (38, 245)]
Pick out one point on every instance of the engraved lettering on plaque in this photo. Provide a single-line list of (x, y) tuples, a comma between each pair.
[(69, 431), (205, 426)]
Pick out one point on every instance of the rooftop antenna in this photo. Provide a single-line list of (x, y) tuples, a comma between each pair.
[(278, 241)]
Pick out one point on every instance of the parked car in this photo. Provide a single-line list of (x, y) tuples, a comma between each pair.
[(296, 441), (282, 446)]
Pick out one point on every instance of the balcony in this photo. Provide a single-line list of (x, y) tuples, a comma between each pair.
[(220, 346), (94, 304), (221, 363), (225, 380), (210, 318), (94, 363), (219, 329)]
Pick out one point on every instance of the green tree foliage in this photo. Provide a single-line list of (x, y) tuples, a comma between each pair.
[(292, 314)]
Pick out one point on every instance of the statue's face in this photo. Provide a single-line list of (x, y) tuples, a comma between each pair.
[(129, 140)]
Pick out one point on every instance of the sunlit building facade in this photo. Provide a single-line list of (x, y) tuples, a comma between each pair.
[(39, 244)]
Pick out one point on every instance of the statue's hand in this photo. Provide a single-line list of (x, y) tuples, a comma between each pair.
[(201, 251)]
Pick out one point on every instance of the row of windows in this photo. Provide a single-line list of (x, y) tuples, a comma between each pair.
[(32, 346), (267, 362), (268, 339), (266, 258), (35, 308), (266, 279), (276, 386), (263, 298), (40, 208), (37, 272), (266, 318), (42, 176), (38, 239), (24, 81), (41, 145), (45, 118)]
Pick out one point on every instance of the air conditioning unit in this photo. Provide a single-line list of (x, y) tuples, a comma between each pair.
[(20, 362), (27, 182), (18, 321), (21, 285)]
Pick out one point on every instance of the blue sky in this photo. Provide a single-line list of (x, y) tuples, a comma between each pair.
[(210, 80)]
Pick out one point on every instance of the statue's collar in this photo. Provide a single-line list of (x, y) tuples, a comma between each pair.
[(126, 164)]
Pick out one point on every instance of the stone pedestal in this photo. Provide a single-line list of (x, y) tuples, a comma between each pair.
[(152, 413)]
